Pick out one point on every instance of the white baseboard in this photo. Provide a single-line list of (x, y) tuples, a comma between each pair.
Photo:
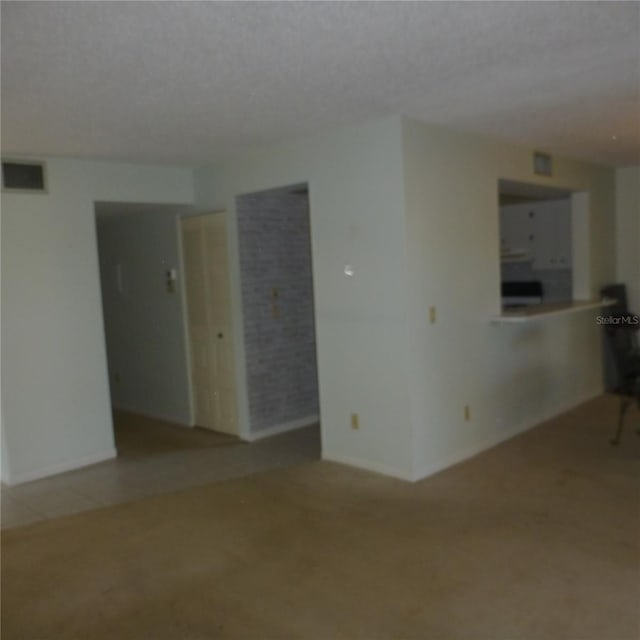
[(283, 428), (366, 465), (433, 468), (69, 465), (574, 402)]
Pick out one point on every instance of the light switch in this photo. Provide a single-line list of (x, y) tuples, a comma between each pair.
[(432, 315), (171, 277)]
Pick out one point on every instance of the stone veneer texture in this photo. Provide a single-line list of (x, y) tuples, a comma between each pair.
[(277, 296)]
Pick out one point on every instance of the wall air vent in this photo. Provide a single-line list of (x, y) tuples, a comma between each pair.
[(25, 176), (542, 164)]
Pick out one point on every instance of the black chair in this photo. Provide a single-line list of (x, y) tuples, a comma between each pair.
[(617, 292), (623, 342), (621, 335)]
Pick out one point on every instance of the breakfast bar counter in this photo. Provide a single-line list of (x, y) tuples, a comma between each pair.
[(541, 311)]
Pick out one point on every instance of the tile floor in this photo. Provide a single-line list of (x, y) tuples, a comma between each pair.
[(126, 479)]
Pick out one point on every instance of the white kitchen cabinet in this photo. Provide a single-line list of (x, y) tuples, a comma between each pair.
[(516, 230), (552, 235), (537, 232)]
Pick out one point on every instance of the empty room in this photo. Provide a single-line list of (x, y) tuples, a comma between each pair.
[(319, 320)]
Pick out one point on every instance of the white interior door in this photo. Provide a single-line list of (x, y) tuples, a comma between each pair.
[(206, 271)]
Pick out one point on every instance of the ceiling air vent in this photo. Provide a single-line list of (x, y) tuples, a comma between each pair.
[(18, 175)]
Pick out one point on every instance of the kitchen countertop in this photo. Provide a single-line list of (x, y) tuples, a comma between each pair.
[(541, 311)]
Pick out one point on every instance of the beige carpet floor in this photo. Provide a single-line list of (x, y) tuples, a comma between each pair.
[(536, 539), (139, 436)]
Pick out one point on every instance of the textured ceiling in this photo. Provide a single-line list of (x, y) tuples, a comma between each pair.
[(193, 82)]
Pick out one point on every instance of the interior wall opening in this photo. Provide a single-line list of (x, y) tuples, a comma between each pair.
[(144, 322), (544, 245), (149, 276), (276, 276)]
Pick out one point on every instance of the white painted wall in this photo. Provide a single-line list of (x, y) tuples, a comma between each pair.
[(144, 323), (628, 232), (55, 389), (414, 209), (4, 463), (356, 209), (5, 474), (512, 377)]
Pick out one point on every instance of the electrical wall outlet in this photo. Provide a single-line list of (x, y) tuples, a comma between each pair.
[(355, 421)]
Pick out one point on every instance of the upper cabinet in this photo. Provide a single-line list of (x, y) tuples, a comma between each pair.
[(538, 232), (516, 234), (552, 235)]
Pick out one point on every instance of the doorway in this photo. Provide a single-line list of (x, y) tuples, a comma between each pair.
[(208, 298), (143, 311), (276, 281)]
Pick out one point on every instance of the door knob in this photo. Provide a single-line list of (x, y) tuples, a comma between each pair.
[(220, 335)]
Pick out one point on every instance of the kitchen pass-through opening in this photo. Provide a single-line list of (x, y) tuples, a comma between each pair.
[(543, 235)]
